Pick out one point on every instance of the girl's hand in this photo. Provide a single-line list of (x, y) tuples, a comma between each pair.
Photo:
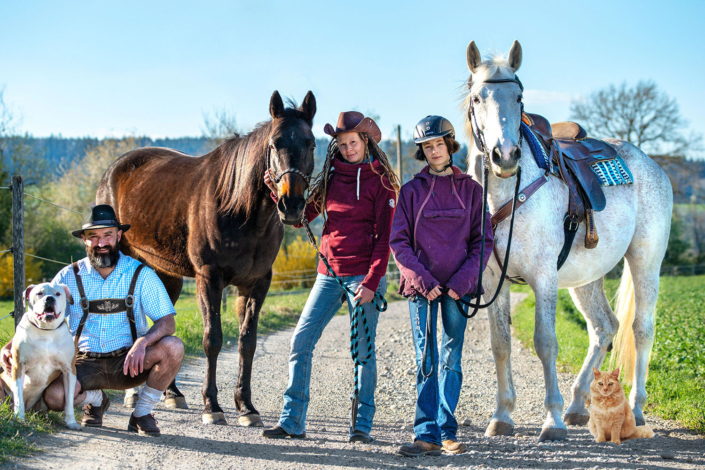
[(363, 294), (453, 295), (270, 183), (435, 293)]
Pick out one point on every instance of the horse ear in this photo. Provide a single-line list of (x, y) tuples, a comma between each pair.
[(309, 108), (276, 105), (515, 55), (473, 56)]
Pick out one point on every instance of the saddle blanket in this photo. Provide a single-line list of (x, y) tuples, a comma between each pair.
[(609, 172), (612, 172)]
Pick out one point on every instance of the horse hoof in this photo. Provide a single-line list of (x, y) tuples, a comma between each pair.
[(499, 428), (575, 419), (131, 401), (176, 402), (251, 420), (553, 434), (214, 418)]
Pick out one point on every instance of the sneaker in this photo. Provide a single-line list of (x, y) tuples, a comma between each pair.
[(93, 415), (360, 436), (277, 432), (144, 425), (419, 448), (451, 446)]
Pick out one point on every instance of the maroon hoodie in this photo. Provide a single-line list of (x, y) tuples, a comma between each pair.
[(360, 209), (436, 234)]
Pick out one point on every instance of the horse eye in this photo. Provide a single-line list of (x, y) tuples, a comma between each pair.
[(476, 100), (271, 146), (521, 97)]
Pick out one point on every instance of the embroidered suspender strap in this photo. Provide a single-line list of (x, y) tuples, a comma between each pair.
[(83, 303), (130, 302)]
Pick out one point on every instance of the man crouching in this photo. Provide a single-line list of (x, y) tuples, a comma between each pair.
[(116, 348)]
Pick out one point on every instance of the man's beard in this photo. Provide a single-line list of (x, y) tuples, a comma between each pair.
[(103, 260)]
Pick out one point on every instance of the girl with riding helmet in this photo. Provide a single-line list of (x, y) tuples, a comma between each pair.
[(356, 192), (436, 238)]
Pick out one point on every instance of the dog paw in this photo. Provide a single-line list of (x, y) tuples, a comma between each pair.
[(74, 426)]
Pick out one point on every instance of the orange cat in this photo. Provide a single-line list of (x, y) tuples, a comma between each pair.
[(611, 417)]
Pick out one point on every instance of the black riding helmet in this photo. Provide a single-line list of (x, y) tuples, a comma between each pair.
[(433, 127)]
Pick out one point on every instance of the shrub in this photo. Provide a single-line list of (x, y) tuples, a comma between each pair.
[(295, 265)]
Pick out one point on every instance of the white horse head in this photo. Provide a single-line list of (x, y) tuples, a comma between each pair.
[(496, 107)]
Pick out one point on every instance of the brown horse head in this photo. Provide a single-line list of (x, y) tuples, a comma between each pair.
[(290, 148)]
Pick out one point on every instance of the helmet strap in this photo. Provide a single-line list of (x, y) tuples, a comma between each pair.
[(450, 164)]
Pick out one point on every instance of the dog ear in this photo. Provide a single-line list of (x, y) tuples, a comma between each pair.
[(27, 292), (69, 297)]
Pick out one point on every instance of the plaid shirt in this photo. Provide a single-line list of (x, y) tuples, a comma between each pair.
[(107, 333)]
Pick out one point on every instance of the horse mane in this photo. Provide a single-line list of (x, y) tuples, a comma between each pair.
[(243, 161), (496, 66)]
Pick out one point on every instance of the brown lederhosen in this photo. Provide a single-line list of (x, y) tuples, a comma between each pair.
[(96, 371)]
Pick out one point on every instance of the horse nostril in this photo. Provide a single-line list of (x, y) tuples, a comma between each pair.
[(496, 155), (517, 154), (281, 205)]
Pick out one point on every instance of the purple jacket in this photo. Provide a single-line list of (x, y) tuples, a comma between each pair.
[(436, 233)]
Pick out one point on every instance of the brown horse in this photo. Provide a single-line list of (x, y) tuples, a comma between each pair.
[(212, 218)]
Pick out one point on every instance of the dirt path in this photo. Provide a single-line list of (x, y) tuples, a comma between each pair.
[(186, 443)]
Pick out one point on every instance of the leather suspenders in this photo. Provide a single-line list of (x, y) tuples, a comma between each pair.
[(108, 306)]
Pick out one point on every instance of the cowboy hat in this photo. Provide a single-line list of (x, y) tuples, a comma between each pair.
[(352, 121), (100, 216)]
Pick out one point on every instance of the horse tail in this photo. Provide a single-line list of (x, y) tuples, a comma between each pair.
[(624, 351)]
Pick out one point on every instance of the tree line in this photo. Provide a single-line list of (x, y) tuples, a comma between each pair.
[(66, 171)]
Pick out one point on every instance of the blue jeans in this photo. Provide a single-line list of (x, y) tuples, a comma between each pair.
[(438, 394), (322, 304)]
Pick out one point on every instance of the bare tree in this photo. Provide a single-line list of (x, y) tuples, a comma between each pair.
[(16, 155), (219, 127), (642, 115)]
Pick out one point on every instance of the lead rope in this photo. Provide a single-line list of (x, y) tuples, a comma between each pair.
[(380, 304)]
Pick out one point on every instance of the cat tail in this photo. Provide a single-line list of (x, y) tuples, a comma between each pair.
[(642, 432), (624, 351)]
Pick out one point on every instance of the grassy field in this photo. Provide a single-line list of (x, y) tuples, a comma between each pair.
[(676, 382)]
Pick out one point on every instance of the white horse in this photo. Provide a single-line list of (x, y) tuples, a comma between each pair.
[(634, 225)]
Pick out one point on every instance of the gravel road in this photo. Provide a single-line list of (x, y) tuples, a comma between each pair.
[(186, 443)]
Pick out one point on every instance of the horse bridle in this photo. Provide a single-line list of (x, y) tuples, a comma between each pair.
[(277, 177), (476, 132), (479, 138)]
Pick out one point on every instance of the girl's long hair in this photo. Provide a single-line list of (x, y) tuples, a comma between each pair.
[(319, 185)]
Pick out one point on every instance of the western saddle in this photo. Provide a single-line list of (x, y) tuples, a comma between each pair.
[(571, 156)]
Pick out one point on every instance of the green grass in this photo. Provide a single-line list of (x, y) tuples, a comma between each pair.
[(14, 433), (278, 312), (676, 382)]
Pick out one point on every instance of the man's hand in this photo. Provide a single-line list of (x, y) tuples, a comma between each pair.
[(453, 295), (435, 293), (363, 294), (270, 183), (134, 361), (6, 357)]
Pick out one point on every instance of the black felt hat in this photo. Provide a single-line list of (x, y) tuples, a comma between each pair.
[(101, 216)]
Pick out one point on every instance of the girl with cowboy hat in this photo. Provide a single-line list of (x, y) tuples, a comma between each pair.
[(436, 237), (356, 192)]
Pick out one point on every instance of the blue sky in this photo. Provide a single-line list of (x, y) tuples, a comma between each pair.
[(153, 68)]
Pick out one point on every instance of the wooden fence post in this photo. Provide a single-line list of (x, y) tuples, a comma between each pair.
[(401, 171), (18, 245)]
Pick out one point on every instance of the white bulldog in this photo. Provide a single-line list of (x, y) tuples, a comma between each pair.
[(42, 348)]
